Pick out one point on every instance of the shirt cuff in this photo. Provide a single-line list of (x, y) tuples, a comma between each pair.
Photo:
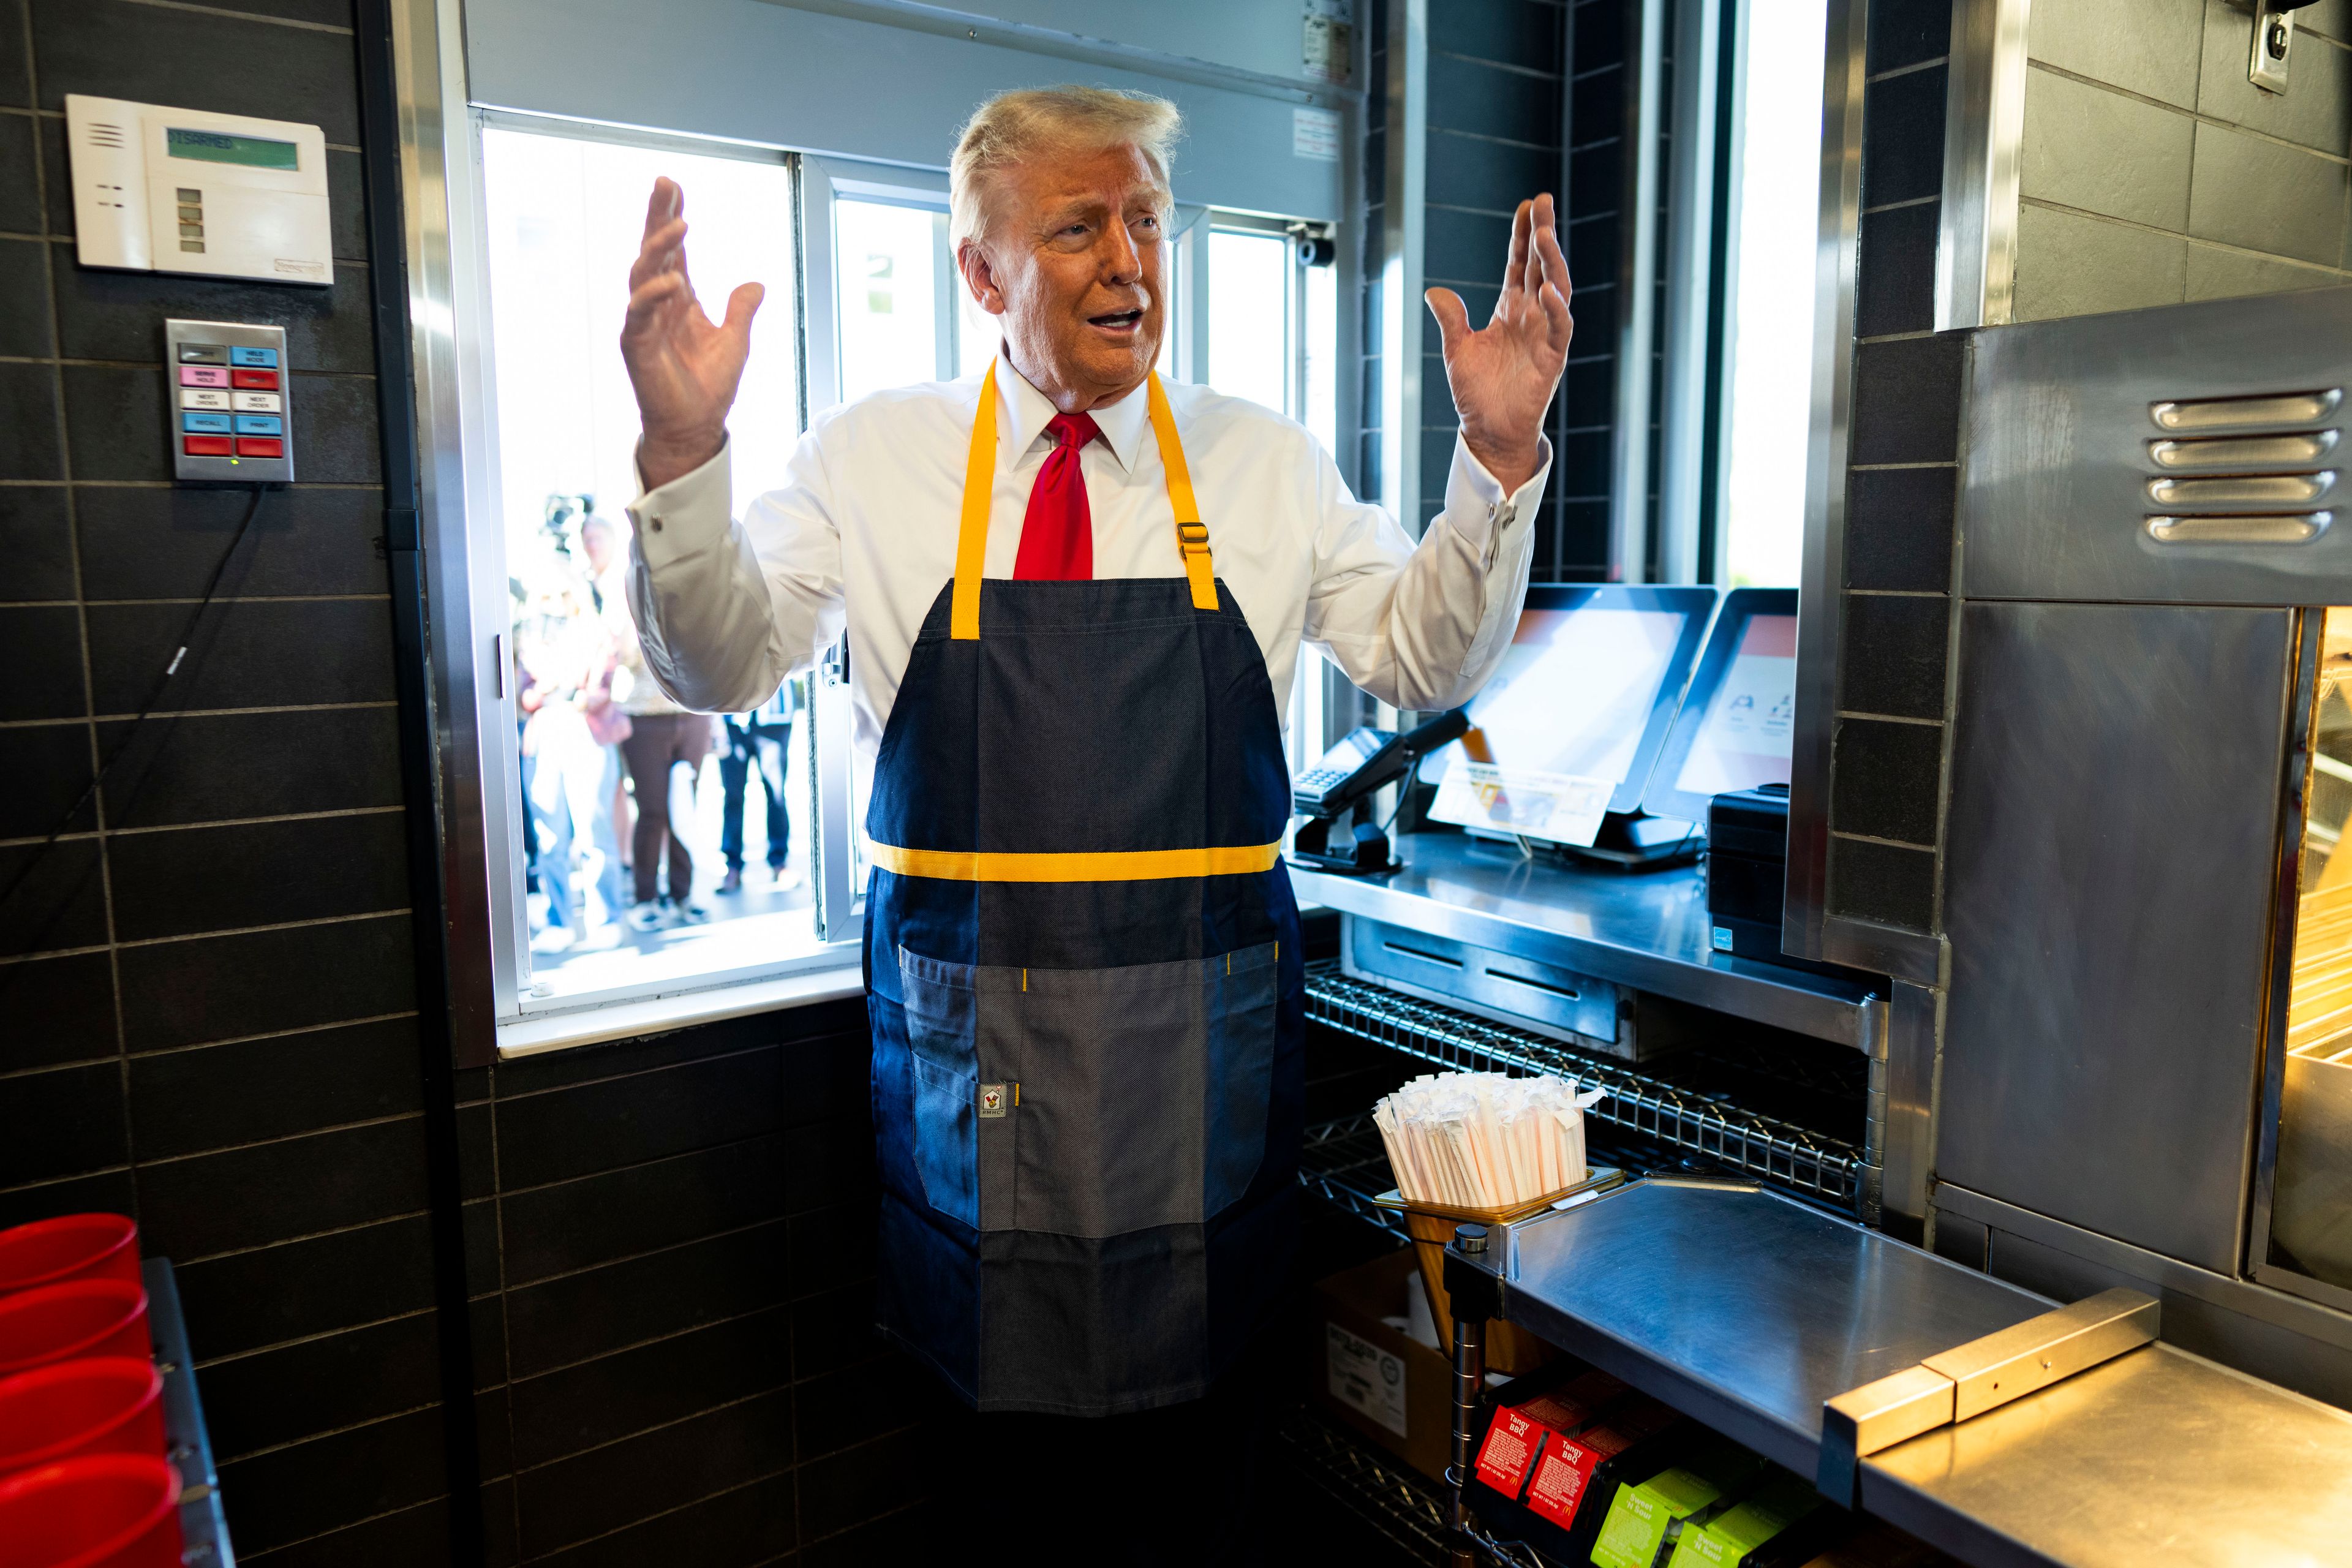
[(684, 516), (1476, 504)]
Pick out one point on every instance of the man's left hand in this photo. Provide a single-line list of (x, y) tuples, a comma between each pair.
[(1503, 374)]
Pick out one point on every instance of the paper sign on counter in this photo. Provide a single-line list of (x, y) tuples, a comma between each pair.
[(1566, 808)]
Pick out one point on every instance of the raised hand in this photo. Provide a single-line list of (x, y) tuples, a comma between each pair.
[(1503, 374), (685, 369)]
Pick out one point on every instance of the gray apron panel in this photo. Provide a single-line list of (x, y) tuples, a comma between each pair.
[(1142, 1089), (1063, 1318)]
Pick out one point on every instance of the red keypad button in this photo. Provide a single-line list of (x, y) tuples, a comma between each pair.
[(261, 447), (254, 380), (207, 446)]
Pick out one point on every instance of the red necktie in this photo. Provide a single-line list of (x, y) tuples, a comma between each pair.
[(1057, 535)]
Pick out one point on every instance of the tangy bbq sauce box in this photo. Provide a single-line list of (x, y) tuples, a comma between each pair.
[(1552, 1456)]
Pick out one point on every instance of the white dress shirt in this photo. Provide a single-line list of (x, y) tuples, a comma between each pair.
[(863, 533)]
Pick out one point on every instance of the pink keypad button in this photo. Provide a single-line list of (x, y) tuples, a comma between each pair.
[(203, 375)]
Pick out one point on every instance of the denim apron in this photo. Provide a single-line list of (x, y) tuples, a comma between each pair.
[(1082, 971)]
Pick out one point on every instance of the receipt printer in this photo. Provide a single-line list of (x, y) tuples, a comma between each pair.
[(1747, 866)]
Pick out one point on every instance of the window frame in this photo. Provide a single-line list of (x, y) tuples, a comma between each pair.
[(1312, 707), (478, 773), (489, 934)]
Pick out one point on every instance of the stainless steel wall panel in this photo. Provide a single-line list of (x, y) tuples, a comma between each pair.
[(2055, 497), (2110, 865), (2267, 1333), (1910, 1103)]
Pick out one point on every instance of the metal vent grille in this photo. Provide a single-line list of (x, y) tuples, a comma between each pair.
[(2244, 471)]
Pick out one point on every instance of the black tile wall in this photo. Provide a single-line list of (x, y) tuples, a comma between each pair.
[(247, 64), (279, 1397), (1902, 137), (23, 275), (673, 1272), (1898, 529), (37, 539), (1900, 485), (230, 1050), (1907, 33), (48, 769), (59, 1008), (1886, 779), (1499, 93), (1907, 399), (204, 767), (163, 543), (280, 1085), (1896, 287), (1892, 657), (20, 191), (1883, 882)]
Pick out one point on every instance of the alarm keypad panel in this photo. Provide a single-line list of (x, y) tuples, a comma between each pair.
[(228, 395)]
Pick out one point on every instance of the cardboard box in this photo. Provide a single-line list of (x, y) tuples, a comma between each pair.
[(1373, 1379)]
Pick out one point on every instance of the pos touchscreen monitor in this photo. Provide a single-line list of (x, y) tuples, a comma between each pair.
[(1736, 725), (1568, 726)]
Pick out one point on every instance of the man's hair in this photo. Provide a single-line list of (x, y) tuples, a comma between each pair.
[(1014, 126)]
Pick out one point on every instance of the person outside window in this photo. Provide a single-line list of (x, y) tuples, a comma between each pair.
[(761, 739), (662, 737)]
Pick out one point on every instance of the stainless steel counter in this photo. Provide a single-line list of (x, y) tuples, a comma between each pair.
[(2156, 1457), (1747, 1311), (1743, 1310), (1647, 930)]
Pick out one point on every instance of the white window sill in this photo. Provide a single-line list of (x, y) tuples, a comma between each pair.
[(656, 1014)]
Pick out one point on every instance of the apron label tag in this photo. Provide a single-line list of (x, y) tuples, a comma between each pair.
[(995, 1099)]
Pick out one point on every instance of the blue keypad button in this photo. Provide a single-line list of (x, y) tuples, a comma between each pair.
[(260, 425), (205, 424), (266, 359)]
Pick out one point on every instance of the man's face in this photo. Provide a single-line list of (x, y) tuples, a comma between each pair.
[(1074, 263), (596, 543)]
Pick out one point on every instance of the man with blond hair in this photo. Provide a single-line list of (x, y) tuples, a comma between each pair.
[(1075, 595)]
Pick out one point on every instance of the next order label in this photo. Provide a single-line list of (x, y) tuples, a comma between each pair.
[(1365, 1377)]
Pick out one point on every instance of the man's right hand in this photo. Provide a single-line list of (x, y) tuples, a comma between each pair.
[(685, 370)]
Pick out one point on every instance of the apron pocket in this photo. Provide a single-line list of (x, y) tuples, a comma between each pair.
[(940, 1009), (1144, 1088), (1136, 1096), (945, 1146), (1244, 1008)]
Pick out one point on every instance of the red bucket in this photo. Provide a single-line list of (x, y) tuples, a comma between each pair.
[(98, 1405), (86, 1317), (71, 1246), (105, 1510)]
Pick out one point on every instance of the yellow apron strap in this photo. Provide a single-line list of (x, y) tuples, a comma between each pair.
[(1192, 534), (980, 490)]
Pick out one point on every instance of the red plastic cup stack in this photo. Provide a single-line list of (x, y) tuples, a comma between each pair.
[(83, 1480), (71, 1246)]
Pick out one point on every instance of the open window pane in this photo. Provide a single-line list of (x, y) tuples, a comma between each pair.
[(633, 813), (889, 279), (1249, 318), (1771, 293)]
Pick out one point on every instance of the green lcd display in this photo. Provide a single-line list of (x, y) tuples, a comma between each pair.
[(219, 147)]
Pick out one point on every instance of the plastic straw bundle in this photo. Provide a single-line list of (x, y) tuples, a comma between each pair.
[(1484, 1140)]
